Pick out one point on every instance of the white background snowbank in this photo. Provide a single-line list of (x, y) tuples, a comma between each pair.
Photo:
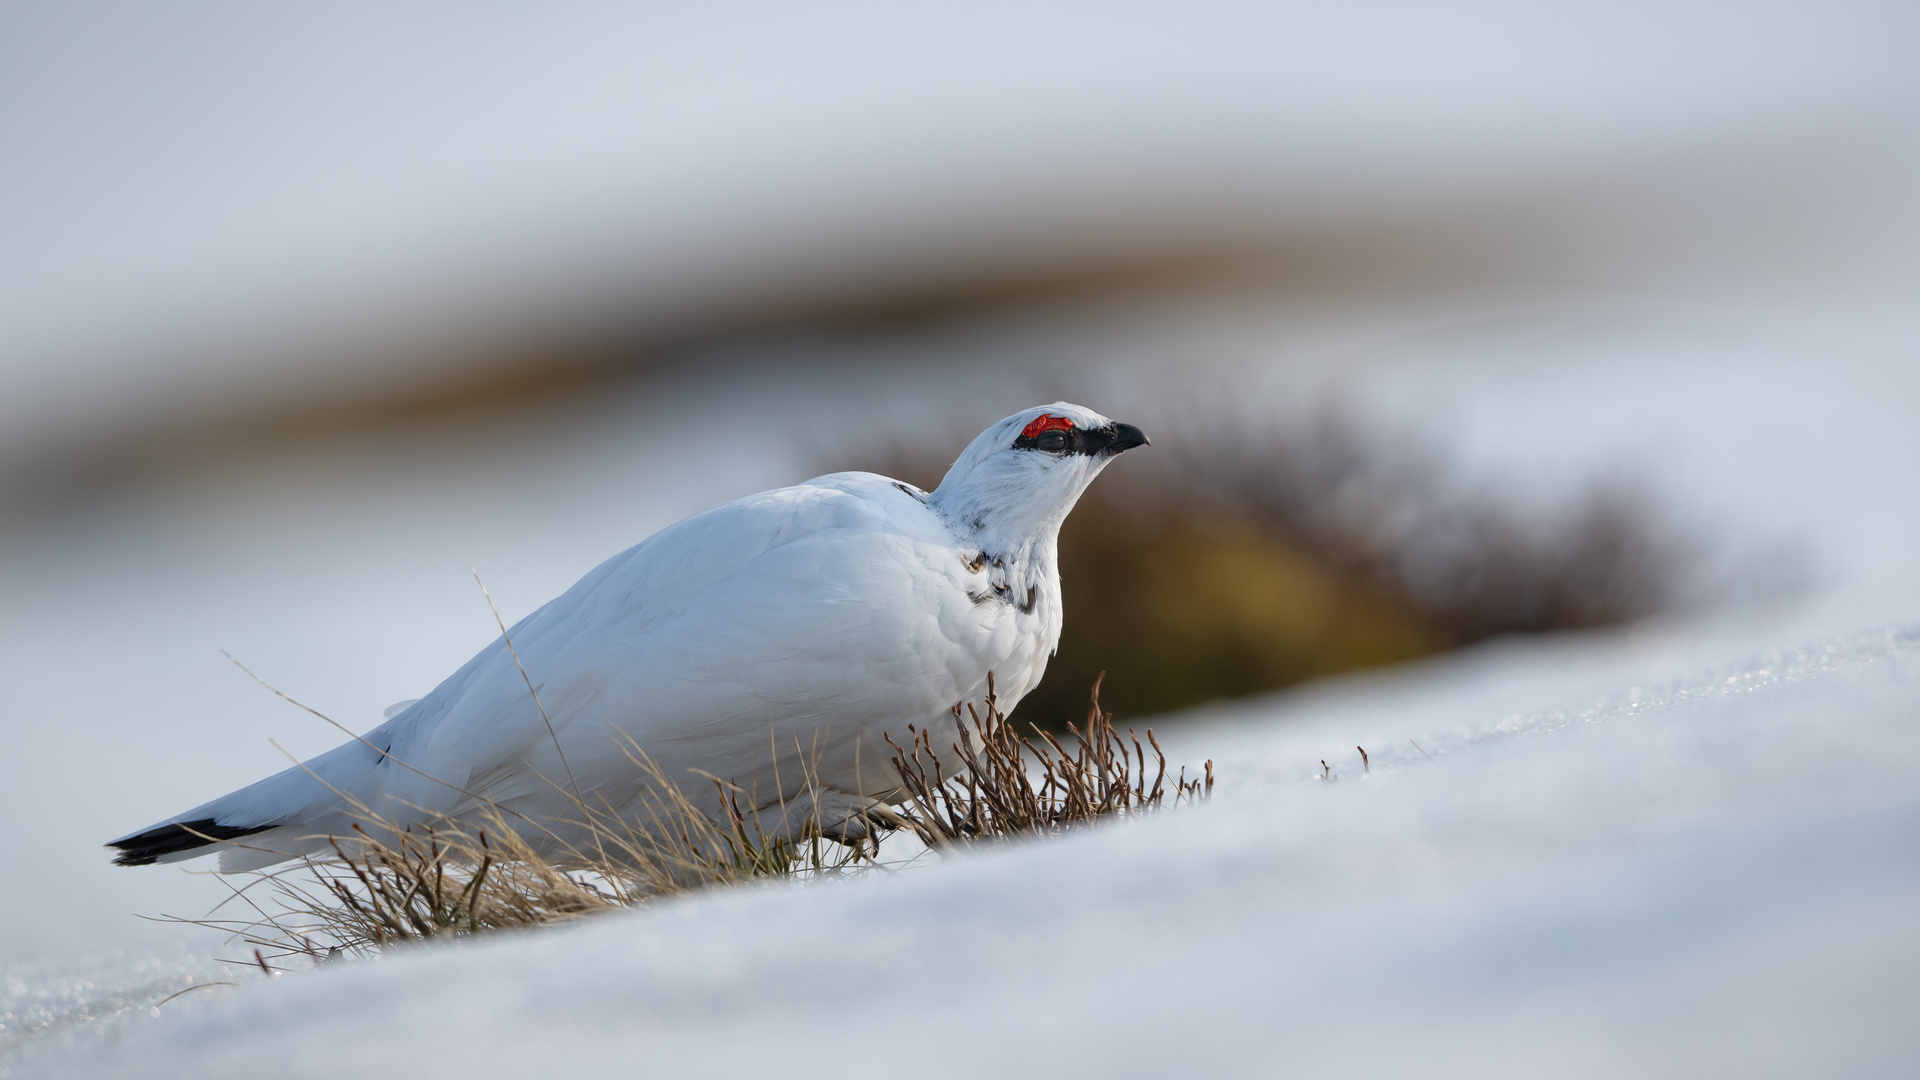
[(215, 205)]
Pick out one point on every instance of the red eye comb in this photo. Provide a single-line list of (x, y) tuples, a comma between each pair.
[(1046, 422)]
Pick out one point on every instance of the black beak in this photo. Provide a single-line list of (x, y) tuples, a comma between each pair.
[(1126, 437)]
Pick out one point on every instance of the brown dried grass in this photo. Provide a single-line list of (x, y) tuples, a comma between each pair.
[(389, 885)]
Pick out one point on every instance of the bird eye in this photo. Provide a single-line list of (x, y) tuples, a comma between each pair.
[(1052, 441)]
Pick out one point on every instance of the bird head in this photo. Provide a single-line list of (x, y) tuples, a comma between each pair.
[(1017, 480)]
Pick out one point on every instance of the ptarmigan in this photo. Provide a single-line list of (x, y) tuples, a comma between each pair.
[(797, 624)]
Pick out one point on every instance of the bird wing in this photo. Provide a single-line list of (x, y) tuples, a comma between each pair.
[(839, 606)]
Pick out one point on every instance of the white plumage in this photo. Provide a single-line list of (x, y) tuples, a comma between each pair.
[(802, 622)]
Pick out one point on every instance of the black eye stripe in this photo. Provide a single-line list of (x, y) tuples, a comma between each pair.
[(1078, 441)]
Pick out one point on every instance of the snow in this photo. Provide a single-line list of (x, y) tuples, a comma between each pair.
[(50, 1007), (1711, 874)]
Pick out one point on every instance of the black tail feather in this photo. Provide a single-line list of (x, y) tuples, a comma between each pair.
[(143, 849)]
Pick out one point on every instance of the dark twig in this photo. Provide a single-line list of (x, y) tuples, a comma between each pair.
[(1010, 783)]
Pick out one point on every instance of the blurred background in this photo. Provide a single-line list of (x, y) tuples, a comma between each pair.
[(1450, 324)]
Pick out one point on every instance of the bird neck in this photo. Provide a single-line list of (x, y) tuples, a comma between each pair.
[(1022, 545)]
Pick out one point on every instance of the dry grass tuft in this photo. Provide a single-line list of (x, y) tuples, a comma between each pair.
[(1010, 784), (390, 884)]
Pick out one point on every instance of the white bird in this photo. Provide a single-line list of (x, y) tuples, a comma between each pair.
[(792, 627)]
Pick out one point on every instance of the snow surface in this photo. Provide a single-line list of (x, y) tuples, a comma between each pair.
[(1712, 875)]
